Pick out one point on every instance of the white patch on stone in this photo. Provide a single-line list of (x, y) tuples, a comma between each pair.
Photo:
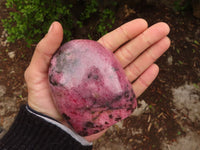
[(187, 100), (189, 142)]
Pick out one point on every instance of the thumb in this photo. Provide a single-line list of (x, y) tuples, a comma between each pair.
[(46, 48)]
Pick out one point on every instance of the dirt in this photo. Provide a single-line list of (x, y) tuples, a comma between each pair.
[(168, 116)]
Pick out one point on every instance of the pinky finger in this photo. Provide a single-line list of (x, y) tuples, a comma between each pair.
[(145, 79)]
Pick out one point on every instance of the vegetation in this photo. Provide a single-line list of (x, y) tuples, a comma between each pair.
[(30, 20), (104, 25), (182, 5)]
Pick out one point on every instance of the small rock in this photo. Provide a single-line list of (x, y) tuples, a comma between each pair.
[(4, 43), (140, 110), (2, 90), (170, 60), (12, 72), (11, 54), (128, 11), (3, 40), (188, 39)]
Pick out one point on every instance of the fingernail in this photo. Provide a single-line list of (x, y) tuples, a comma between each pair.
[(50, 28)]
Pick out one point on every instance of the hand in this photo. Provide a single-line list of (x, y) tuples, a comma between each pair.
[(143, 46)]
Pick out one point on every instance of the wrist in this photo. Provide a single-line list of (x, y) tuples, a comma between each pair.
[(63, 126), (29, 131), (44, 106)]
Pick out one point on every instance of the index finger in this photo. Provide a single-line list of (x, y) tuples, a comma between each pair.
[(122, 34)]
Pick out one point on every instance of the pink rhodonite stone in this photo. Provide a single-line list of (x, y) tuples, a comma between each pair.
[(89, 86)]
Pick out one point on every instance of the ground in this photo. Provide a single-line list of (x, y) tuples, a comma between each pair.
[(167, 117)]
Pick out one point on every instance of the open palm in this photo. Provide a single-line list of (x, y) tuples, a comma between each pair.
[(134, 44)]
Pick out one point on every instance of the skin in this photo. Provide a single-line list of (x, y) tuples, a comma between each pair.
[(134, 44)]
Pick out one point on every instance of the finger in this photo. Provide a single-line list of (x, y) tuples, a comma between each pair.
[(122, 34), (46, 48), (146, 59), (127, 53), (143, 82)]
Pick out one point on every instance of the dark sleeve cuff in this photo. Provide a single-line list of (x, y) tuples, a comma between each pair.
[(30, 132)]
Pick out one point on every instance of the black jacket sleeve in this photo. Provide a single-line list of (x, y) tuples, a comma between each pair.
[(30, 132)]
